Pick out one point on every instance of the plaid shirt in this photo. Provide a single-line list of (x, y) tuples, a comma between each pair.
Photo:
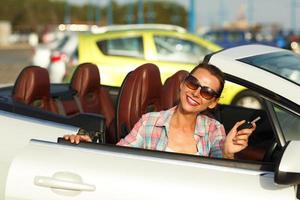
[(151, 132)]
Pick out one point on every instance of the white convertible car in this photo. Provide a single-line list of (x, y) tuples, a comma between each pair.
[(37, 164)]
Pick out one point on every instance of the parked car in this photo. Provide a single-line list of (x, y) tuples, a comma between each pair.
[(66, 57), (35, 165), (119, 49)]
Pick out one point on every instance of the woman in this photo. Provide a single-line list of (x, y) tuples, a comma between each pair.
[(182, 129)]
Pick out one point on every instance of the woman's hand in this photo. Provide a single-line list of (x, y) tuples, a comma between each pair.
[(77, 138), (237, 140)]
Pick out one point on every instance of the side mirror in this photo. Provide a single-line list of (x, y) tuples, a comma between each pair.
[(287, 170)]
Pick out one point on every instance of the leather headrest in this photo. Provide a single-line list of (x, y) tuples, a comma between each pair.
[(86, 78), (171, 88), (141, 86), (32, 84)]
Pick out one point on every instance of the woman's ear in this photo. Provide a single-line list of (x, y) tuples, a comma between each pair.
[(213, 104), (181, 85)]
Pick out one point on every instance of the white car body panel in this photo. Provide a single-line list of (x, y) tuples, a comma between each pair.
[(113, 175), (17, 136), (288, 161), (247, 51), (242, 70)]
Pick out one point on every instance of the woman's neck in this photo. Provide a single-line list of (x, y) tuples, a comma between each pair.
[(183, 120)]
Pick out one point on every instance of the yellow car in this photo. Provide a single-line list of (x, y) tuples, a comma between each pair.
[(119, 50)]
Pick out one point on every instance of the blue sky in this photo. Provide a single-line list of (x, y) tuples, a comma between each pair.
[(214, 12)]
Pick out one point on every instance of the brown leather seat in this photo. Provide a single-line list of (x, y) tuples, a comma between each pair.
[(32, 87), (170, 90), (67, 105), (93, 97), (138, 94)]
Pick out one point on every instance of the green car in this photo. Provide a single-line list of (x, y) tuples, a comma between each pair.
[(119, 50)]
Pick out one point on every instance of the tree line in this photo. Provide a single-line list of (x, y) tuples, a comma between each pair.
[(35, 15)]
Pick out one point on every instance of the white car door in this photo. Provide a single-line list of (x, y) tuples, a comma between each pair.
[(47, 171), (17, 130)]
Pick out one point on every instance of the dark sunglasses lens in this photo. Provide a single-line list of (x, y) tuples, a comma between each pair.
[(191, 82), (207, 93)]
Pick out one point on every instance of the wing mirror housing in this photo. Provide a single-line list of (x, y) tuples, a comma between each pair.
[(287, 170)]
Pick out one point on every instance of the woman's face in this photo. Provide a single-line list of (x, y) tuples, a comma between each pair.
[(191, 100)]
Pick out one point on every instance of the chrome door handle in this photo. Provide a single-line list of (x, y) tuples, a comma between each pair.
[(65, 181)]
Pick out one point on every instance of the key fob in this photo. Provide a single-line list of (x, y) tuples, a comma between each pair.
[(247, 124)]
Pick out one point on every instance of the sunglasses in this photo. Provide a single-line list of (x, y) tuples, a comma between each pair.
[(206, 92)]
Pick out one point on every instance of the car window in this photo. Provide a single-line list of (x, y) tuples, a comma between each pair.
[(131, 47), (237, 103), (285, 64), (289, 123), (179, 50)]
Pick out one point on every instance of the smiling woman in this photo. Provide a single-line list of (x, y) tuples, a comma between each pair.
[(180, 129)]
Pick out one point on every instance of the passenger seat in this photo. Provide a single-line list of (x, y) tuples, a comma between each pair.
[(91, 97), (32, 87), (139, 94)]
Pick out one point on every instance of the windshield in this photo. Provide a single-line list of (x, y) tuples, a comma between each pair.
[(285, 64), (289, 123)]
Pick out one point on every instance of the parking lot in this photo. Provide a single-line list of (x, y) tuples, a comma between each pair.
[(12, 60)]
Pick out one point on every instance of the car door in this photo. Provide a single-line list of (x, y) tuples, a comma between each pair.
[(46, 170), (17, 130)]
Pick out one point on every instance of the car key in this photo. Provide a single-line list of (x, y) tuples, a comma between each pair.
[(248, 124)]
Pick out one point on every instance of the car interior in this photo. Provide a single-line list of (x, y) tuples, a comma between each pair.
[(89, 105)]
